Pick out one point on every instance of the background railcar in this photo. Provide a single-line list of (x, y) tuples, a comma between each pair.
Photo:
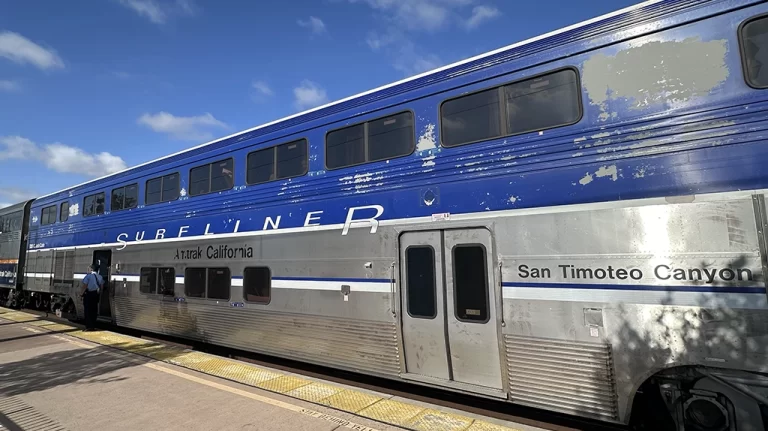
[(572, 223)]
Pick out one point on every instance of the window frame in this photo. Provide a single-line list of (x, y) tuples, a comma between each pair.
[(62, 213), (504, 125), (269, 270), (742, 57), (162, 182), (44, 217), (94, 204), (210, 178), (487, 284), (274, 161), (111, 193), (365, 139), (207, 269), (434, 282)]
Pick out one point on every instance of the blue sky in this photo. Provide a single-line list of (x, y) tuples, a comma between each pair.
[(90, 87)]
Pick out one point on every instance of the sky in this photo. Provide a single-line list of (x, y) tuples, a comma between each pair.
[(90, 87)]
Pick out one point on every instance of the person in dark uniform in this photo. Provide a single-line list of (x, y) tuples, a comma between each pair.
[(92, 284)]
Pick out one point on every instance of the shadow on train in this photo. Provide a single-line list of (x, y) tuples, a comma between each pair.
[(725, 333)]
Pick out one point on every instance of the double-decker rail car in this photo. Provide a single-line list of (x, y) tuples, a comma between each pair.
[(13, 246), (574, 223)]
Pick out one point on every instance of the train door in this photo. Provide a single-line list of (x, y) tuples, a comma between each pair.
[(102, 260), (449, 309)]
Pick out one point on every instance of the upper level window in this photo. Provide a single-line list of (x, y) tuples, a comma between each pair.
[(48, 215), (124, 198), (213, 177), (64, 213), (162, 189), (754, 51), (379, 139), (539, 103), (278, 162), (93, 204)]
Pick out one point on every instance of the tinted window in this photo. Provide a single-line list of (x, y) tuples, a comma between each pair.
[(390, 137), (257, 283), (64, 216), (93, 204), (194, 282), (148, 280), (199, 180), (118, 196), (754, 47), (222, 175), (154, 190), (379, 139), (470, 283), (345, 147), (420, 272), (219, 282), (471, 118), (292, 159), (48, 215), (170, 187), (131, 196), (166, 281), (261, 166), (542, 103)]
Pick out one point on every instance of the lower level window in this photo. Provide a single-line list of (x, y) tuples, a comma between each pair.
[(211, 283), (158, 280), (257, 285)]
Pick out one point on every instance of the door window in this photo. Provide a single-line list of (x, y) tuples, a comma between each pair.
[(470, 281)]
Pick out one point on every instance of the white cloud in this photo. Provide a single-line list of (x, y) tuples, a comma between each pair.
[(407, 57), (309, 95), (197, 128), (262, 88), (158, 12), (481, 14), (9, 86), (418, 15), (316, 25), (59, 157), (19, 49), (15, 195)]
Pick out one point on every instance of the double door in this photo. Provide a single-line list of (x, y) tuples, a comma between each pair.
[(450, 304)]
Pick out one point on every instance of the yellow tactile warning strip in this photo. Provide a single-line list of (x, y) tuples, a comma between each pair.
[(364, 404)]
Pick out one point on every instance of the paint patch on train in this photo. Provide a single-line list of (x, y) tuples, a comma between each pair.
[(427, 139), (679, 71), (608, 171)]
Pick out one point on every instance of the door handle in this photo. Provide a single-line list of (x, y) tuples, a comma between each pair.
[(392, 290), (501, 296)]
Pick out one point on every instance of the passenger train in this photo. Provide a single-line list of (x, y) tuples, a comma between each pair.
[(574, 223)]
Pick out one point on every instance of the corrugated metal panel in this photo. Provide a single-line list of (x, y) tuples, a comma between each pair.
[(570, 377), (353, 345)]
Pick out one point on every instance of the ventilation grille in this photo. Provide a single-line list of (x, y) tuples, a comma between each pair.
[(568, 377)]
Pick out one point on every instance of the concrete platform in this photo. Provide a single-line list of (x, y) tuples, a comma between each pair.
[(55, 377)]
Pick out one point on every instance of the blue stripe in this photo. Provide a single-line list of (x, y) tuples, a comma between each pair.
[(350, 280), (651, 288)]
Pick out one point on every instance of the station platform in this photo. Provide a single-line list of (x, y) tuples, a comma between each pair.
[(54, 376)]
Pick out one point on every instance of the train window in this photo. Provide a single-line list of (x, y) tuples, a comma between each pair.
[(754, 51), (420, 276), (471, 118), (93, 204), (257, 285), (219, 283), (148, 280), (470, 283), (380, 139), (162, 189), (211, 283), (275, 163), (213, 177), (48, 215), (64, 213), (124, 198), (194, 282), (543, 102), (158, 280)]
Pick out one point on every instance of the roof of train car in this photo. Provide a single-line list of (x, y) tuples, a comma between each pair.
[(13, 208), (375, 90)]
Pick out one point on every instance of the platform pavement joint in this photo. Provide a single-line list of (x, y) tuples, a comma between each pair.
[(363, 404)]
